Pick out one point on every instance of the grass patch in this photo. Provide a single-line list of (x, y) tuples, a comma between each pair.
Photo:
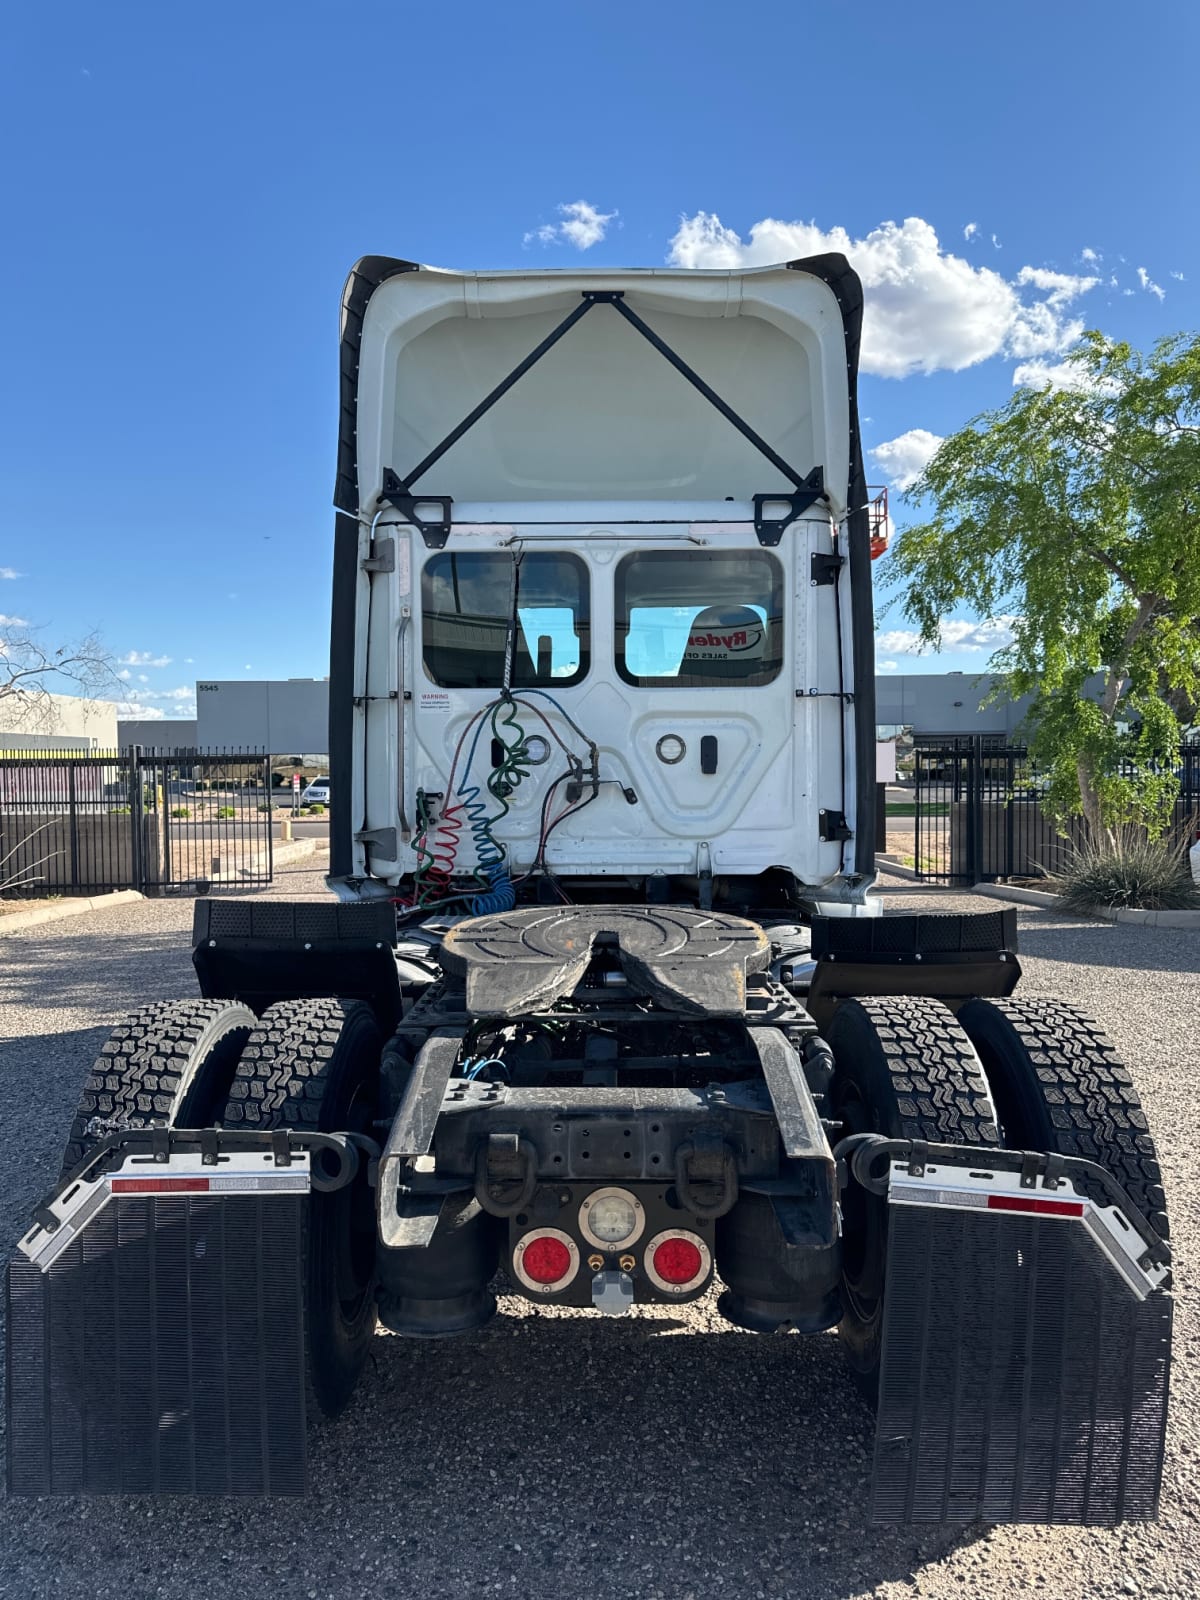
[(906, 808)]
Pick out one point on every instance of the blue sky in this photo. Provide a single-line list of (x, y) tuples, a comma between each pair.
[(185, 188)]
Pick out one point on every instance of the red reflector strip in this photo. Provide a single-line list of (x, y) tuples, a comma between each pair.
[(160, 1185), (1042, 1208)]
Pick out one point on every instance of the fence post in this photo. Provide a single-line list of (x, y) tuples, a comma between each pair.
[(73, 823), (975, 807), (1010, 790), (137, 838)]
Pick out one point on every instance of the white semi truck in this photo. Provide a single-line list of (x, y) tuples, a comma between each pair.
[(601, 1009)]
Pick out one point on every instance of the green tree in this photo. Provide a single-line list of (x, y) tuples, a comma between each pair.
[(1076, 511)]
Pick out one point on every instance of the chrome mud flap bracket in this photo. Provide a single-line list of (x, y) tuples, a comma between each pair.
[(1026, 1343), (155, 1330)]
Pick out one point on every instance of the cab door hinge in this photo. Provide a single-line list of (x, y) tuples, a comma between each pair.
[(834, 827), (382, 557), (382, 840), (824, 567)]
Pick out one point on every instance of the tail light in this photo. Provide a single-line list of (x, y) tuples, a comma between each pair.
[(546, 1260), (677, 1261)]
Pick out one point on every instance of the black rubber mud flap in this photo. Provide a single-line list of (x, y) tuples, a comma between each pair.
[(1022, 1379), (161, 1352)]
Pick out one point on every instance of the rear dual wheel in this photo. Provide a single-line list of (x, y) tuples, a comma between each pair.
[(305, 1064), (1030, 1074)]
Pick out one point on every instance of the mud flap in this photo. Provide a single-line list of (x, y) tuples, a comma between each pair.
[(155, 1345), (1024, 1372)]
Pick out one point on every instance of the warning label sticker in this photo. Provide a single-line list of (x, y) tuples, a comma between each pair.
[(433, 700)]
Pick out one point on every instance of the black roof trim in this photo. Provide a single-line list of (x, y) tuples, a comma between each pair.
[(365, 277), (841, 277)]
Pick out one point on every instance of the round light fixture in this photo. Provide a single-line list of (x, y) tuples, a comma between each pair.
[(611, 1219)]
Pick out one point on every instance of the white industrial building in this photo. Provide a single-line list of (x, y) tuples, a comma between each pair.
[(284, 717), (57, 722)]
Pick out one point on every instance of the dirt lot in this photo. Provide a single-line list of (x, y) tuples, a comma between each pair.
[(665, 1455)]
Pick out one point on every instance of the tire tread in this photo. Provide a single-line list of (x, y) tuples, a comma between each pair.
[(146, 1070), (1092, 1104)]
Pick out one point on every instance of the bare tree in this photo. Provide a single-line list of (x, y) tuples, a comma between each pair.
[(31, 671)]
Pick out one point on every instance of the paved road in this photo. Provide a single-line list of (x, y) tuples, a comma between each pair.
[(666, 1455)]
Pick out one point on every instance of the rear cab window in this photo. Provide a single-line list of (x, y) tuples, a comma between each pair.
[(466, 602), (699, 618)]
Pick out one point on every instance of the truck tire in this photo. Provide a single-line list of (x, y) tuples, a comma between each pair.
[(314, 1064), (1059, 1086), (167, 1065), (903, 1068)]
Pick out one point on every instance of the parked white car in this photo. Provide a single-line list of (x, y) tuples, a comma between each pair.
[(1194, 859), (317, 793)]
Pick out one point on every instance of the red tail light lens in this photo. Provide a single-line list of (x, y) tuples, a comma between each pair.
[(546, 1260), (677, 1261)]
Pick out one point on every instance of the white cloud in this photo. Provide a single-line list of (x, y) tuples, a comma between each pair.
[(142, 712), (996, 245), (142, 678), (1178, 276), (971, 229), (887, 666), (583, 225), (1060, 288), (143, 658), (903, 459), (1148, 283), (158, 703), (188, 661), (954, 634), (13, 622), (11, 572), (1090, 256), (927, 310), (1058, 375), (125, 674)]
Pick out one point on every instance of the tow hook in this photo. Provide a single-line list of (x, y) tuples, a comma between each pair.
[(706, 1176), (505, 1174)]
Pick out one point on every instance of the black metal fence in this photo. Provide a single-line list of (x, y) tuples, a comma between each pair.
[(978, 811), (74, 823)]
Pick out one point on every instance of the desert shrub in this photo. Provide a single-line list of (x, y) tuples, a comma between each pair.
[(1131, 869)]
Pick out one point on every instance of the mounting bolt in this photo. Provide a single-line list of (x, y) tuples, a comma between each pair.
[(308, 947), (212, 944)]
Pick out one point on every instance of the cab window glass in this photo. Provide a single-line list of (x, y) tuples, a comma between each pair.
[(465, 601), (699, 618)]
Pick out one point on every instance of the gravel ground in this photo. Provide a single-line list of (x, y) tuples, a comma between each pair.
[(664, 1455)]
